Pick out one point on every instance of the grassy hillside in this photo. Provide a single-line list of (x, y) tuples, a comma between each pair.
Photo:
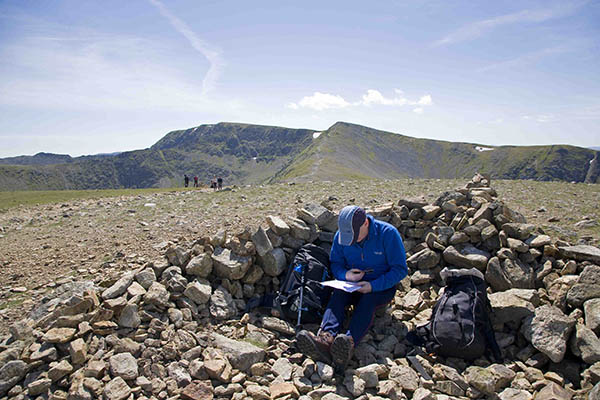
[(240, 153), (38, 159), (247, 154), (348, 149)]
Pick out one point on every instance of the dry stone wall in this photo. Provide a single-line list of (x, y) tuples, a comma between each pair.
[(176, 327)]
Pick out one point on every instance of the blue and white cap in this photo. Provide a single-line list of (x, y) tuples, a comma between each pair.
[(349, 222)]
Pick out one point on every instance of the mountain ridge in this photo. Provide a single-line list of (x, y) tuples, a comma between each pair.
[(247, 153)]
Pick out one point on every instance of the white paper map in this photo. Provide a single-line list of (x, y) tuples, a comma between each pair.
[(342, 285)]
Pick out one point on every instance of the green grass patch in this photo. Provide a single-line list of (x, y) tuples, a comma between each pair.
[(255, 343), (15, 301), (28, 198)]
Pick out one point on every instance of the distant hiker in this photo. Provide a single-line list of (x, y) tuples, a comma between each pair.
[(220, 183), (195, 181), (186, 180), (213, 184), (371, 254)]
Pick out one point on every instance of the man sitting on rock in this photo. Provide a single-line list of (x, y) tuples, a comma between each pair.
[(371, 253)]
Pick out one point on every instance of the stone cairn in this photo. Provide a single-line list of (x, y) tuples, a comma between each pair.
[(176, 328)]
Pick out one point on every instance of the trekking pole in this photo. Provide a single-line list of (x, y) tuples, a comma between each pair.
[(301, 299)]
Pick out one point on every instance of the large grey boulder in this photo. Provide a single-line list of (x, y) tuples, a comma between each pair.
[(591, 309), (198, 291), (581, 253), (317, 214), (283, 368), (404, 376), (548, 331), (201, 265), (221, 304), (60, 370), (146, 277), (507, 273), (466, 256), (123, 365), (39, 386), (261, 242), (299, 229), (129, 317), (585, 344), (157, 295), (484, 212), (515, 394), (595, 392), (59, 335), (117, 389), (278, 225), (254, 274), (274, 262), (430, 212), (424, 259), (559, 288), (587, 286), (230, 265), (179, 374), (513, 304), (553, 391), (489, 380), (509, 214), (177, 256), (242, 355), (119, 287), (536, 241), (517, 230), (174, 281), (481, 379), (10, 374)]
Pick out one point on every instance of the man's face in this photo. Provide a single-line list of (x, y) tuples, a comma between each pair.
[(364, 231)]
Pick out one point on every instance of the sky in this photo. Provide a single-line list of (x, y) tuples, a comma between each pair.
[(85, 77)]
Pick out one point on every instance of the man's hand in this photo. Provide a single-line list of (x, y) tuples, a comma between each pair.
[(354, 275), (365, 287)]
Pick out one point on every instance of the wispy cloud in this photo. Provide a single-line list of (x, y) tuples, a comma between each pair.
[(541, 118), (479, 28), (587, 113), (323, 101), (95, 72), (528, 58), (213, 56)]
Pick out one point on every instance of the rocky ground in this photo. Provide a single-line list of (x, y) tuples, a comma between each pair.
[(98, 241), (47, 245)]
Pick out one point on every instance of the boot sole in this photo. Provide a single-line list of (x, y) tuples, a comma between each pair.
[(341, 351), (308, 347)]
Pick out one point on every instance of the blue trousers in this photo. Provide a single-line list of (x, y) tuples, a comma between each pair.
[(365, 306)]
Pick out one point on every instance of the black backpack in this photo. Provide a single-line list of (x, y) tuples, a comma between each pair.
[(312, 261), (460, 325)]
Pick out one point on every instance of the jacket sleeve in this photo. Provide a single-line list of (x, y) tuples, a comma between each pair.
[(396, 258), (338, 261)]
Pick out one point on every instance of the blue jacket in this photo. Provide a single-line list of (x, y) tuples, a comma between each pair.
[(381, 250)]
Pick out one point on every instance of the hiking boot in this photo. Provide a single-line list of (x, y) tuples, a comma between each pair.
[(342, 349), (316, 347)]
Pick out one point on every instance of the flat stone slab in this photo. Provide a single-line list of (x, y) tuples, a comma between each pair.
[(59, 335), (242, 355), (581, 253)]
